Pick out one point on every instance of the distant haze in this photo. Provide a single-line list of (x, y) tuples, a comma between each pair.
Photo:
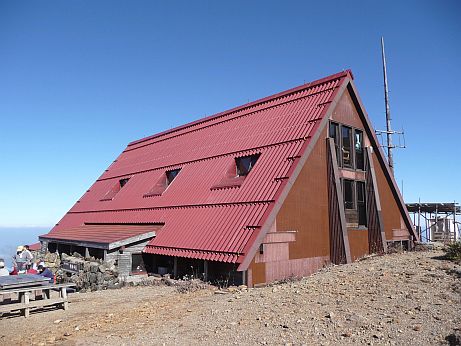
[(12, 237)]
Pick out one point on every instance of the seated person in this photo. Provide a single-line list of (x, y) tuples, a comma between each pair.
[(3, 270), (43, 271), (30, 270)]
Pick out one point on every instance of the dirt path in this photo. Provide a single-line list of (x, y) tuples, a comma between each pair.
[(396, 299)]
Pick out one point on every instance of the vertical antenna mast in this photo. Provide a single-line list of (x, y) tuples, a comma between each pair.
[(388, 112)]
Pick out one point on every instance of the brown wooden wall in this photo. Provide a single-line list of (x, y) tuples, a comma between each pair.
[(305, 209), (391, 215), (358, 241), (346, 113)]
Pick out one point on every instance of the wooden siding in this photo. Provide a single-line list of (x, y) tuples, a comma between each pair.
[(337, 219), (374, 216), (305, 209), (358, 240), (391, 216), (346, 113)]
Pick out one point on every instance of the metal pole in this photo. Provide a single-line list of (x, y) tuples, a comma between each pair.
[(388, 112), (419, 221), (454, 220), (436, 221)]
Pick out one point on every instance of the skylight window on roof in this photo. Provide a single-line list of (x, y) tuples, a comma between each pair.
[(170, 175), (165, 180), (245, 164), (115, 189)]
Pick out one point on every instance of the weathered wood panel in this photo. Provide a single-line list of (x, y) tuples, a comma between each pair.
[(124, 264), (346, 113), (376, 243), (294, 267), (358, 240), (339, 248), (305, 209), (391, 215)]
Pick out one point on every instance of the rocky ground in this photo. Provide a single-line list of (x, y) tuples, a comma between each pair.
[(399, 299)]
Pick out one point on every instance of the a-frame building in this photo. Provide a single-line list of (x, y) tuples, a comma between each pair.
[(275, 188)]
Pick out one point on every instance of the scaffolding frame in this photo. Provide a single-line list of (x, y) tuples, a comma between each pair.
[(432, 214)]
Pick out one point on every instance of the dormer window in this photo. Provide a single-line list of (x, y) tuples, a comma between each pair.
[(170, 175), (236, 172), (123, 182), (115, 189), (165, 180), (245, 164)]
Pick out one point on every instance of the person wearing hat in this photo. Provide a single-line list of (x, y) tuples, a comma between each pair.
[(27, 255), (18, 261), (3, 270)]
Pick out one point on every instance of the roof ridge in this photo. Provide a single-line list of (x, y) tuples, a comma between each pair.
[(248, 105)]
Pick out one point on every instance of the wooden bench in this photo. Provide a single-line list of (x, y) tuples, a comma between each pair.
[(24, 304)]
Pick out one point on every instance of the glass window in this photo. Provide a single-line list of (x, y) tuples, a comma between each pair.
[(123, 182), (334, 133), (358, 143), (346, 137), (361, 204), (245, 164), (348, 194), (170, 175)]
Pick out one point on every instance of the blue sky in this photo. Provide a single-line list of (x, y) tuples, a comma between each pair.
[(81, 79)]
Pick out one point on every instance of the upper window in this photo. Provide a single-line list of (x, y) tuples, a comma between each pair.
[(334, 133), (358, 144), (245, 164), (346, 137), (348, 146)]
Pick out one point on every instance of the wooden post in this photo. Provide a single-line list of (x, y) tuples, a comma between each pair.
[(65, 305), (175, 267), (105, 255), (340, 200), (436, 221), (419, 221), (87, 253), (454, 221), (25, 297), (205, 270)]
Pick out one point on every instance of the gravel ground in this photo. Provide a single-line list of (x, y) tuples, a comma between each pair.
[(399, 299)]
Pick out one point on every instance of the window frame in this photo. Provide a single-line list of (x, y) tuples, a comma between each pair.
[(363, 202), (253, 160), (336, 139), (354, 200), (174, 172), (339, 145), (349, 130), (359, 153)]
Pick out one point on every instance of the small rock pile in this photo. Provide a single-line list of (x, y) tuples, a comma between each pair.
[(94, 274)]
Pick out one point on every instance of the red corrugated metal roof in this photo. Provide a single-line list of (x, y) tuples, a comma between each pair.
[(35, 246), (200, 220), (101, 233)]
